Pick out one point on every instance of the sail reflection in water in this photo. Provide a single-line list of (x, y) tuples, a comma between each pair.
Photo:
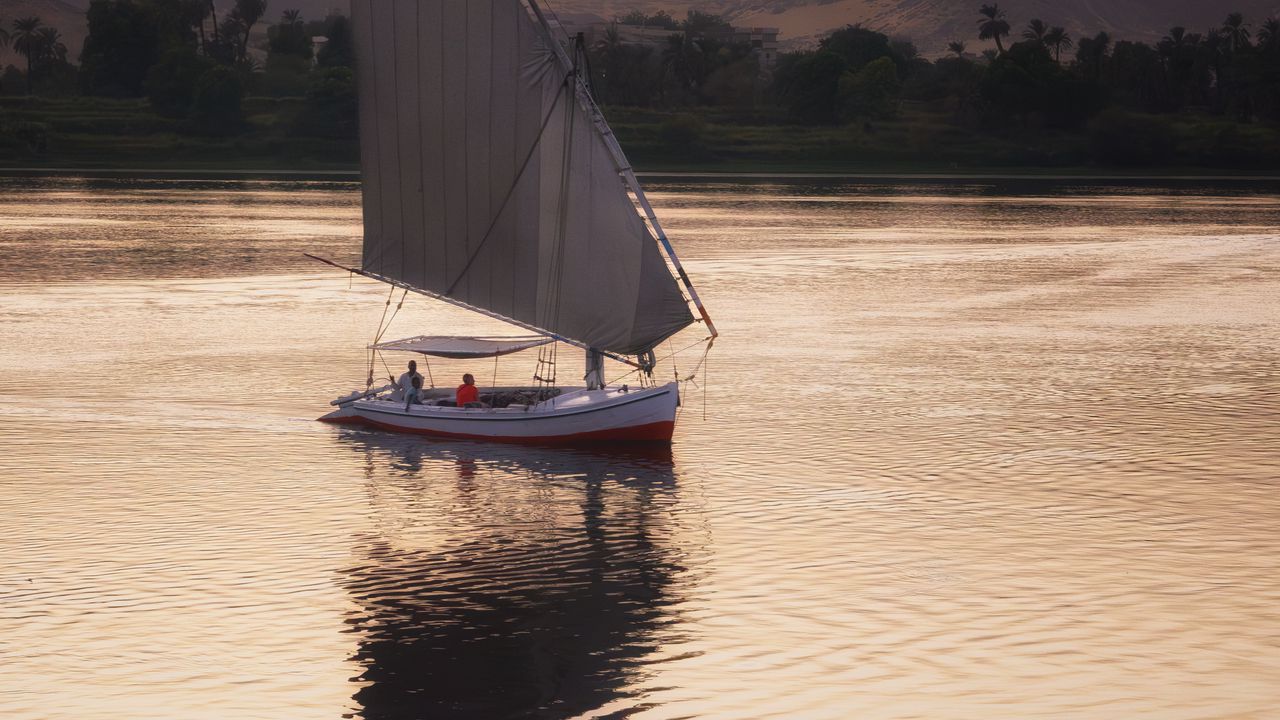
[(511, 582)]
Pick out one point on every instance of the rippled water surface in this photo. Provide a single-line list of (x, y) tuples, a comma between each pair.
[(966, 449)]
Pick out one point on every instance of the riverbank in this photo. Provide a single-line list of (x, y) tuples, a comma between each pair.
[(99, 135), (353, 174)]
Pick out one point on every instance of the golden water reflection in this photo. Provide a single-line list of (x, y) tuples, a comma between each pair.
[(476, 602), (971, 449)]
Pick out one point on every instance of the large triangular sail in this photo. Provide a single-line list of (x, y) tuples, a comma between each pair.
[(488, 181)]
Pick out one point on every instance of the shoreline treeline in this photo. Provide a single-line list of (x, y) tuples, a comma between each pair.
[(1132, 100), (181, 76), (196, 69)]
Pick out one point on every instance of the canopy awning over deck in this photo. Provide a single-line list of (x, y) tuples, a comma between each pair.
[(446, 346)]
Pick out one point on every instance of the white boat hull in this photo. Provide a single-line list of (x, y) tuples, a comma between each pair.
[(608, 415)]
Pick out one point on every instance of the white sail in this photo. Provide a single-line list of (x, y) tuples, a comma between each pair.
[(487, 181)]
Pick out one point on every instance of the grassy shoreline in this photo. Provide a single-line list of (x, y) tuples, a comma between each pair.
[(92, 135)]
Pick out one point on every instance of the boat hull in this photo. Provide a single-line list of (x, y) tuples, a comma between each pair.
[(582, 416)]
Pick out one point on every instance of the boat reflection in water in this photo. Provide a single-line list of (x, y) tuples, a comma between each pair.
[(511, 581)]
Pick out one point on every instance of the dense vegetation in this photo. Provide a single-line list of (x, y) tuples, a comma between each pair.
[(169, 81), (1209, 99)]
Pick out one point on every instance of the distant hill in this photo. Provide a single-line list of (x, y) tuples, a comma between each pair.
[(930, 23)]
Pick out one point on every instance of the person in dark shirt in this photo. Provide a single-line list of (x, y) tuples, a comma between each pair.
[(413, 395)]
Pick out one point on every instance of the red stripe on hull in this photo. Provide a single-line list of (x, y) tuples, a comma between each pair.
[(651, 432)]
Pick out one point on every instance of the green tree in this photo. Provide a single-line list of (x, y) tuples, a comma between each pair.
[(51, 46), (660, 19), (1138, 77), (735, 82), (1036, 32), (27, 41), (993, 25), (871, 92), (288, 57), (216, 102), (1057, 38), (1026, 84), (1213, 53), (126, 38), (1269, 35), (858, 46), (808, 85), (684, 65), (1177, 53), (331, 106), (611, 53), (626, 74), (171, 83), (289, 37), (53, 67), (47, 66), (700, 23), (338, 50), (1091, 56), (193, 13), (1236, 32), (957, 80), (248, 12), (1269, 70), (1123, 138)]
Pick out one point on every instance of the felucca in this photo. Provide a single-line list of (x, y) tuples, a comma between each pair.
[(491, 181)]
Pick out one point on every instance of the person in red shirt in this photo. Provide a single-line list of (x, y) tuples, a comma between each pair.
[(467, 392)]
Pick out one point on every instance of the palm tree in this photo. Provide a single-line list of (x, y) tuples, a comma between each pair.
[(1269, 34), (993, 26), (1036, 32), (1215, 47), (213, 13), (4, 36), (1175, 39), (678, 59), (957, 47), (292, 17), (249, 13), (1057, 38), (51, 46), (1091, 53), (1236, 32), (193, 13), (611, 49), (26, 40)]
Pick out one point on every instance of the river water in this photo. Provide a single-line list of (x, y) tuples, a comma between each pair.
[(966, 449)]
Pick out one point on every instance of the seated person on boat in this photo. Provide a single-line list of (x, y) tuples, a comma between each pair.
[(468, 394), (413, 395), (405, 383)]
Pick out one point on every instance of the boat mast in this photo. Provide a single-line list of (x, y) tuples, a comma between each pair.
[(620, 159)]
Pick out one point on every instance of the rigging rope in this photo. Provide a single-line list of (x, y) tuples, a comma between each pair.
[(384, 324), (549, 354), (709, 340), (377, 335)]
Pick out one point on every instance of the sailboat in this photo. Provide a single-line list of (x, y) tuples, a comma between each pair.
[(492, 182)]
